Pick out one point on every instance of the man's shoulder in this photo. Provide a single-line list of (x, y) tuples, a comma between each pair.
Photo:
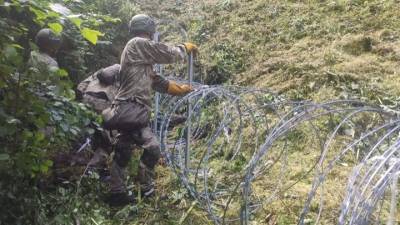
[(38, 58), (139, 41)]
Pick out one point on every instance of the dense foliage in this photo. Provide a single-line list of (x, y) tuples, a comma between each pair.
[(36, 121)]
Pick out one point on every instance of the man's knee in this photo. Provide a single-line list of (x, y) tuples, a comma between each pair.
[(149, 140), (154, 149), (151, 147)]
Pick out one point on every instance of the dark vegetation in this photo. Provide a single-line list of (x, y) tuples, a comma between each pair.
[(36, 123)]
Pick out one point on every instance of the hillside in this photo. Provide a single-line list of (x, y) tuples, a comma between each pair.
[(301, 51), (308, 49)]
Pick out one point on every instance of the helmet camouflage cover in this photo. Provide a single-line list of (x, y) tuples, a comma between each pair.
[(142, 23)]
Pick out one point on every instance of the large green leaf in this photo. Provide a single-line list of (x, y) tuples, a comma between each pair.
[(75, 20), (17, 46), (40, 15), (12, 55), (56, 27), (91, 35), (62, 73)]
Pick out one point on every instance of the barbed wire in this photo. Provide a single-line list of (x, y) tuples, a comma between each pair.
[(246, 147), (241, 142)]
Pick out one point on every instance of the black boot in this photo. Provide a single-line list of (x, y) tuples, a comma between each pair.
[(120, 199)]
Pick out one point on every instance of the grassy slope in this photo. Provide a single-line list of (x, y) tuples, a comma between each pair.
[(304, 49)]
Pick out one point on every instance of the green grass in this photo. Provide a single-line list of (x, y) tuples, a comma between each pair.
[(287, 45)]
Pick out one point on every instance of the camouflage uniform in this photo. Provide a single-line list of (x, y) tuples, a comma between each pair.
[(44, 66), (44, 69), (98, 91), (43, 62), (137, 81)]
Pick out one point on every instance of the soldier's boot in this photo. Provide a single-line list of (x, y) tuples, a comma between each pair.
[(145, 178), (119, 199)]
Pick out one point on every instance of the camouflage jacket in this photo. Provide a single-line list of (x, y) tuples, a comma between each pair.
[(99, 89), (137, 78), (46, 66), (44, 70)]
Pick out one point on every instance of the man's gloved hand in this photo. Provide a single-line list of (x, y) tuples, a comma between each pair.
[(177, 89), (190, 47)]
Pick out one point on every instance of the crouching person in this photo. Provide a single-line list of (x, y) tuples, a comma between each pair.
[(98, 91), (130, 111)]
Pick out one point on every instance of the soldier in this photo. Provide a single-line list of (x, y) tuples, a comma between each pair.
[(43, 60), (43, 66), (130, 112), (98, 91)]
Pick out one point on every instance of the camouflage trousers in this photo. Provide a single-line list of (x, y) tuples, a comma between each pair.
[(126, 143)]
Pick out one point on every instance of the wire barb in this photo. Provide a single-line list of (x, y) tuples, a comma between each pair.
[(242, 154)]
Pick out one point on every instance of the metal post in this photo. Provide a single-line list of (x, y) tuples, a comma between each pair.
[(156, 110), (189, 111), (158, 69)]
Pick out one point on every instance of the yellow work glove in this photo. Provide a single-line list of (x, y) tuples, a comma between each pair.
[(190, 47), (177, 89)]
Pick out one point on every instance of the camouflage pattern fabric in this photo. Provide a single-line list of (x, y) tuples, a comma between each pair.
[(97, 94), (127, 143), (44, 70), (137, 81), (137, 78), (45, 67)]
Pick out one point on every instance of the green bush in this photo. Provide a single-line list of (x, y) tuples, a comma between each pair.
[(36, 121)]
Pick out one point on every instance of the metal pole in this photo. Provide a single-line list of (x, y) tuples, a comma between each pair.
[(156, 110), (189, 112), (158, 70)]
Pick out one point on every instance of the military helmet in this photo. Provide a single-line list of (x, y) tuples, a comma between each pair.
[(46, 38), (142, 23)]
